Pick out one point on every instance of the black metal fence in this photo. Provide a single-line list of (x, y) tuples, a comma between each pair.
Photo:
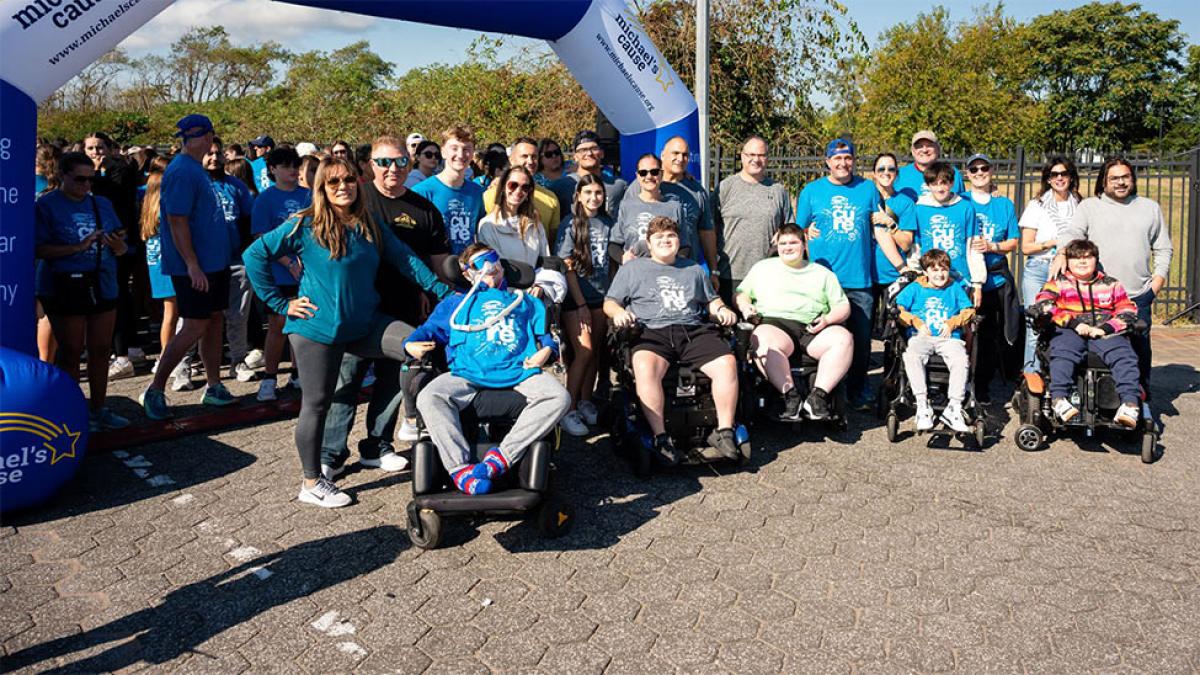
[(1173, 182)]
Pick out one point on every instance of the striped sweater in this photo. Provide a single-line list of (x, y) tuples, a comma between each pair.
[(1100, 301)]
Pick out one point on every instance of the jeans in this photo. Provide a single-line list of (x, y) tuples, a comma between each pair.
[(862, 308), (1068, 349), (1037, 272), (238, 313), (1141, 343), (381, 411)]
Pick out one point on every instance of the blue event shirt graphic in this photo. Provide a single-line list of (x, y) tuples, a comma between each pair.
[(461, 209), (271, 209), (997, 222), (842, 215)]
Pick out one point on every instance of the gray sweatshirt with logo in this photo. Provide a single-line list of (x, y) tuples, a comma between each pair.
[(1127, 234)]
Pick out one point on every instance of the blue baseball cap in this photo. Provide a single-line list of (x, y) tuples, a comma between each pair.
[(191, 122), (832, 150), (979, 156), (263, 141)]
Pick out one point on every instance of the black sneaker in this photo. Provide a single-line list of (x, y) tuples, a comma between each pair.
[(791, 405), (723, 441), (664, 451), (816, 406)]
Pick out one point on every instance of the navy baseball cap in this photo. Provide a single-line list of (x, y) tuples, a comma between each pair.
[(263, 141), (832, 150), (192, 122), (586, 136), (979, 156)]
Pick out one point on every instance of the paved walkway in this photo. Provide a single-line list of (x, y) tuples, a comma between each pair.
[(846, 554)]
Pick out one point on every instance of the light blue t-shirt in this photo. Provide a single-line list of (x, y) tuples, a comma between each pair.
[(272, 207), (58, 221), (945, 227), (461, 209), (261, 175), (236, 201), (911, 181), (997, 222), (934, 306), (842, 213), (187, 191), (885, 273)]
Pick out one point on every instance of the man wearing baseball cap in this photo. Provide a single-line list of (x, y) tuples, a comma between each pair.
[(414, 139), (195, 254), (589, 157), (925, 151), (259, 148), (835, 213)]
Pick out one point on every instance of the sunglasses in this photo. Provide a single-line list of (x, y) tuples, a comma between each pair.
[(552, 153), (523, 187), (885, 169), (1060, 174), (429, 154), (338, 181), (484, 258), (387, 162), (82, 179), (979, 168), (648, 172)]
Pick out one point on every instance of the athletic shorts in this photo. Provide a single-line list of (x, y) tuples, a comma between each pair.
[(693, 346), (289, 291), (75, 306), (194, 304), (795, 330)]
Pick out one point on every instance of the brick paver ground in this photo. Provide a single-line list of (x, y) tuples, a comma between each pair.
[(846, 554)]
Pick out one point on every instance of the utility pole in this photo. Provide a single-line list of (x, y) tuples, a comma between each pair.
[(702, 85)]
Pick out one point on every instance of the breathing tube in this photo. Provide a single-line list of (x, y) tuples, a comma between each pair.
[(484, 263)]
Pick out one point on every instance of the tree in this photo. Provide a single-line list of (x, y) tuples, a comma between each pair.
[(1185, 135), (1109, 74), (966, 82)]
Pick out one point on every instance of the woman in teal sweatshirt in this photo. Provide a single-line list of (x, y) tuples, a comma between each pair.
[(340, 248)]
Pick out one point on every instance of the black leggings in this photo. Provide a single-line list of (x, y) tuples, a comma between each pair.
[(318, 365)]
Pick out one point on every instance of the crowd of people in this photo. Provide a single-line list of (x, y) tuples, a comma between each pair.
[(340, 255)]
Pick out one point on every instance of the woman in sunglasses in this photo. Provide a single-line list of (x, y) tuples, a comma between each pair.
[(550, 162), (513, 228), (426, 160), (336, 308), (639, 207), (1046, 215), (78, 236)]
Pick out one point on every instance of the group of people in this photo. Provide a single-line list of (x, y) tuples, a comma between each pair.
[(347, 252)]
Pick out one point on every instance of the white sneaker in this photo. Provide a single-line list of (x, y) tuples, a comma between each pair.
[(573, 424), (324, 494), (388, 461), (266, 390), (589, 412), (953, 417), (1127, 415), (243, 372), (924, 418), (408, 432), (120, 368), (1065, 410), (181, 378), (331, 472), (255, 359), (136, 355)]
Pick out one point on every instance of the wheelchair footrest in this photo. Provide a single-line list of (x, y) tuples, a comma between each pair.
[(516, 500)]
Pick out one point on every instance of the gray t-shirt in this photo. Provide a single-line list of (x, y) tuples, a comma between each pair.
[(747, 215), (663, 295), (635, 217), (564, 189), (693, 202), (599, 229)]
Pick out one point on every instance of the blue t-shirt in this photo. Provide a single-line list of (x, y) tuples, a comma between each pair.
[(911, 181), (461, 209), (59, 221), (842, 213), (272, 207), (261, 175), (934, 306), (160, 284), (885, 273), (39, 184), (187, 191), (997, 222), (945, 227), (595, 285), (236, 201)]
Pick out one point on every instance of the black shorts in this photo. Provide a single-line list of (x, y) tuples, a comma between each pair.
[(693, 346), (193, 304), (569, 304), (289, 291), (795, 330), (74, 306)]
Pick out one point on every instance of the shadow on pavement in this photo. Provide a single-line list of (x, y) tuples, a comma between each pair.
[(193, 614)]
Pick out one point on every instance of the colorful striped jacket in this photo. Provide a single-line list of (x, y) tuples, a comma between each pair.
[(1100, 301)]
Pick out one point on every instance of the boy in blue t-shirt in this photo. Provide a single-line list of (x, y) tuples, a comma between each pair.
[(495, 338), (935, 308), (944, 220)]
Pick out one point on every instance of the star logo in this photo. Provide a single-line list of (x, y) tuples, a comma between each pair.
[(666, 84), (59, 440)]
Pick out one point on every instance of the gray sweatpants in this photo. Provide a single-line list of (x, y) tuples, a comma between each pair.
[(238, 312), (546, 401), (952, 350)]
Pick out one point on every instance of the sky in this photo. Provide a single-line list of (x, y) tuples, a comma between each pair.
[(410, 45)]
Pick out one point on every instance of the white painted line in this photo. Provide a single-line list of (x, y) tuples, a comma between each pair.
[(160, 481), (326, 621), (351, 648), (261, 572), (332, 625), (120, 454), (141, 473), (245, 553), (185, 498), (138, 462)]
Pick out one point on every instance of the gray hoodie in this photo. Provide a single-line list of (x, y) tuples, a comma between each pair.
[(1127, 233)]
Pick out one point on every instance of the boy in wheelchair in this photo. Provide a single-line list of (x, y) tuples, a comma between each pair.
[(1090, 312), (672, 299), (495, 338), (936, 309)]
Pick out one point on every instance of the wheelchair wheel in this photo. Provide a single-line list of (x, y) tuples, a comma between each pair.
[(1149, 442), (893, 427), (744, 451), (880, 404), (980, 432), (554, 518), (1029, 438), (424, 527)]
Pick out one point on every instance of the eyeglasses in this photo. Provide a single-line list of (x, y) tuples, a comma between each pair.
[(549, 154), (754, 155), (336, 182), (1060, 174), (587, 150), (885, 169), (81, 179), (386, 162), (979, 168), (1126, 178), (648, 172), (340, 152), (523, 187), (429, 154)]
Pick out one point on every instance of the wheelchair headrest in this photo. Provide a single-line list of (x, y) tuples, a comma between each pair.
[(518, 274), (550, 262)]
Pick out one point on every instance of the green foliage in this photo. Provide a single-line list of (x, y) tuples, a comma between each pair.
[(1108, 74)]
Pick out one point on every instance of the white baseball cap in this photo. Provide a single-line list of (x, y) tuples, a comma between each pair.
[(414, 138)]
